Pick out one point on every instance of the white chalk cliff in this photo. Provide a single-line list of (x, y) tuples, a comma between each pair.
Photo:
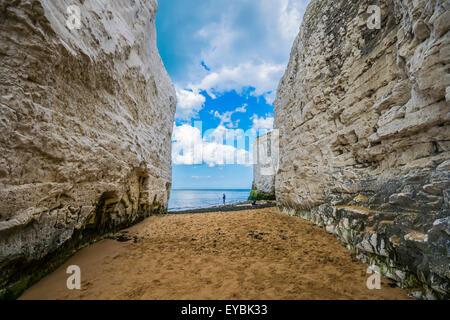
[(265, 155), (364, 120), (85, 129)]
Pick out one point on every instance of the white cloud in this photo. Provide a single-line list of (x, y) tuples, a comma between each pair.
[(222, 133), (220, 154), (287, 16), (189, 148), (185, 142), (242, 109), (250, 31), (290, 18), (264, 77), (225, 118), (262, 123), (190, 102), (245, 43), (220, 37)]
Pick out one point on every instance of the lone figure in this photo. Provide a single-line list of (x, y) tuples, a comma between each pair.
[(224, 198)]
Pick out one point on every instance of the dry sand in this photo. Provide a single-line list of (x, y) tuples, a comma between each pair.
[(252, 254)]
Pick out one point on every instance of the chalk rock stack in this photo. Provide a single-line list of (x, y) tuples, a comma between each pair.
[(265, 156), (364, 120), (86, 113)]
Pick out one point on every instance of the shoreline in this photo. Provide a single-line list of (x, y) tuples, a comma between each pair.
[(237, 206)]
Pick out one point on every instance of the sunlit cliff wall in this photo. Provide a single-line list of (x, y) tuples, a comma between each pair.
[(86, 118), (364, 120)]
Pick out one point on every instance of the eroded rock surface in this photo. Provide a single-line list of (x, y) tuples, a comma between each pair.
[(86, 121), (364, 119), (265, 155)]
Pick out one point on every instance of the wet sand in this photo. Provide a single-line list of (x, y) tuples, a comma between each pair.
[(249, 254)]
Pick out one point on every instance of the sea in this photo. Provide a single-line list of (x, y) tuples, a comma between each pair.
[(188, 199)]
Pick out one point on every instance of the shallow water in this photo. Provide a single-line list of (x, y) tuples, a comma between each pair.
[(197, 199)]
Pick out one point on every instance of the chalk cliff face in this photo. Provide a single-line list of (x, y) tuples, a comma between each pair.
[(85, 128), (265, 155), (364, 120)]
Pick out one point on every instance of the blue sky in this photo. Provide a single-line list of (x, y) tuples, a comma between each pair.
[(225, 58)]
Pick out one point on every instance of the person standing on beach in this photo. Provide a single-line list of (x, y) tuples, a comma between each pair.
[(224, 198)]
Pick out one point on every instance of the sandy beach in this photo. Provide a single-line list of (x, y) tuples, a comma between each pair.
[(247, 254)]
